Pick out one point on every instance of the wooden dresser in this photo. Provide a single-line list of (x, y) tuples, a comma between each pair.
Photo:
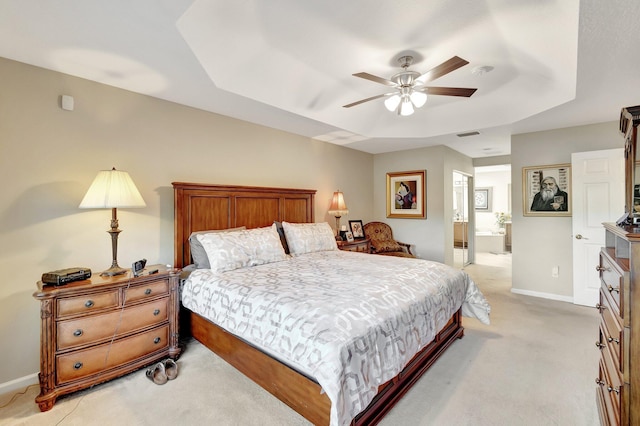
[(101, 328), (618, 381)]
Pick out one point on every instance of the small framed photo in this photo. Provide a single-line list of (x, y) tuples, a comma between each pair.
[(546, 190), (406, 194), (349, 236), (357, 229), (482, 199)]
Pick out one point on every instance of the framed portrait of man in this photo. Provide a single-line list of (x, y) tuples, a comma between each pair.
[(546, 190)]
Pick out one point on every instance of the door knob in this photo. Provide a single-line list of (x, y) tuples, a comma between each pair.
[(580, 237)]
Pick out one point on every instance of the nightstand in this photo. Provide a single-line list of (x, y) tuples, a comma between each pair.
[(363, 246), (104, 327)]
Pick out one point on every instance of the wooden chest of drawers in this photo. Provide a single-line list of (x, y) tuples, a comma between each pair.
[(101, 328), (618, 381)]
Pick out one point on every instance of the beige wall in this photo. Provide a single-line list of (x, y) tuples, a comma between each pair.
[(433, 237), (48, 158), (540, 243)]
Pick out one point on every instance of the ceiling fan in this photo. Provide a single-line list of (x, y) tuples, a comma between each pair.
[(410, 86)]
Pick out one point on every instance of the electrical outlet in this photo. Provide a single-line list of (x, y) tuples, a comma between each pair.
[(555, 271)]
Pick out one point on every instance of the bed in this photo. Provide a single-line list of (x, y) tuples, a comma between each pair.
[(295, 380)]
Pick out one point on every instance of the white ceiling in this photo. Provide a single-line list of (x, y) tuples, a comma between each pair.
[(287, 64)]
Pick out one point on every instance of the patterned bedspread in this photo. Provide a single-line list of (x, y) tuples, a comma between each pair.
[(350, 320)]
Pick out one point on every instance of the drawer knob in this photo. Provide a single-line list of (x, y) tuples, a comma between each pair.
[(611, 339), (89, 303), (156, 340), (612, 289), (77, 333), (156, 312), (77, 365), (600, 382), (616, 390), (600, 345), (147, 291)]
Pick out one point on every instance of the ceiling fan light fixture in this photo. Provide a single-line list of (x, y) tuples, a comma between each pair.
[(418, 98), (392, 102), (411, 92), (406, 107)]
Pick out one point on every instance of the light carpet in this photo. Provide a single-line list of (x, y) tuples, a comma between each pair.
[(534, 365)]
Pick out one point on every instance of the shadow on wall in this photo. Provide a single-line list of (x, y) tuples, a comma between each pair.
[(165, 194), (42, 203), (38, 205), (19, 315)]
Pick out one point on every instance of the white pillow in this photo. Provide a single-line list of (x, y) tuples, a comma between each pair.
[(265, 245), (232, 250), (309, 237), (198, 254)]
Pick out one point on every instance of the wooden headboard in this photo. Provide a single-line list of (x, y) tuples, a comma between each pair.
[(200, 207)]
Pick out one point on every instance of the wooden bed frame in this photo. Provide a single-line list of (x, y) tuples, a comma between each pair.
[(201, 207)]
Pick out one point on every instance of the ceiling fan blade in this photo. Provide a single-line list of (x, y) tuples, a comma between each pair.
[(361, 101), (447, 91), (444, 68), (375, 79)]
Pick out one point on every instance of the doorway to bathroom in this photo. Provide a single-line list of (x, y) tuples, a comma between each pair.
[(492, 202)]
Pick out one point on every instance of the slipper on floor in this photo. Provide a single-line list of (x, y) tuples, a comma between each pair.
[(171, 369), (157, 374)]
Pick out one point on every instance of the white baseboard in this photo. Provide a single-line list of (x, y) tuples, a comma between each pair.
[(551, 296), (18, 384)]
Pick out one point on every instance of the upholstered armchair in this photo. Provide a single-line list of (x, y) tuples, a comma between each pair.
[(382, 241)]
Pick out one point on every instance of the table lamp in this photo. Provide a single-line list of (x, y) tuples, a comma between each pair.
[(113, 189), (338, 208)]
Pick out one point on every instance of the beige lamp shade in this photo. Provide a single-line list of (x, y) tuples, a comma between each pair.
[(112, 189), (338, 206)]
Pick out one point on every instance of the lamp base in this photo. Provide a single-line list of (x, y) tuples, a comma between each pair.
[(114, 231), (114, 270), (338, 237)]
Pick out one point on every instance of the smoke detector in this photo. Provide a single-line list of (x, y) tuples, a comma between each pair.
[(481, 70)]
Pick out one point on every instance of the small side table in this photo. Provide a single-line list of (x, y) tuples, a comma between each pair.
[(362, 245)]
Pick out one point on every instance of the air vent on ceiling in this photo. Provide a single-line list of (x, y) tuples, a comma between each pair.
[(464, 135)]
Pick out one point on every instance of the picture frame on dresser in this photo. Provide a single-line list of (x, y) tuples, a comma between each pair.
[(357, 229), (349, 236)]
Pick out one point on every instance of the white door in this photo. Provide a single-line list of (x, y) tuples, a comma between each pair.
[(597, 180)]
